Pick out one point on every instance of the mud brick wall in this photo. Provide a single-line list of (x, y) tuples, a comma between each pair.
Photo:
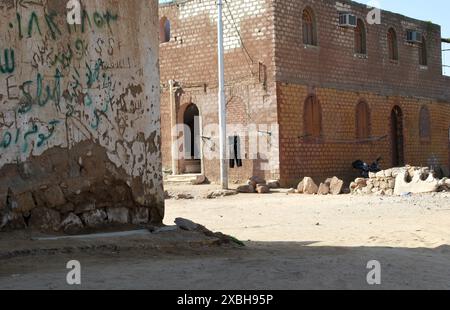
[(341, 79), (334, 64), (338, 147), (272, 34), (79, 115), (190, 58)]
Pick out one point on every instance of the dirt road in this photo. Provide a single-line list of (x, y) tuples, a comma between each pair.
[(297, 242)]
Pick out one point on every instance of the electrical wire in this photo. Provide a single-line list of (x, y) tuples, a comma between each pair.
[(244, 48)]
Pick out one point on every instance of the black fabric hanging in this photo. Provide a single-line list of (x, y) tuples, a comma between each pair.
[(235, 152)]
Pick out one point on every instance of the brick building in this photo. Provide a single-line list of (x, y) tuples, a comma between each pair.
[(335, 92)]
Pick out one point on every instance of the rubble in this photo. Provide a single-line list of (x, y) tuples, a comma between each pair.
[(399, 181), (188, 225), (273, 184), (324, 189), (262, 189), (332, 186), (246, 189), (45, 219), (221, 193), (422, 182), (307, 186), (72, 224), (258, 185), (185, 224), (336, 186), (95, 218)]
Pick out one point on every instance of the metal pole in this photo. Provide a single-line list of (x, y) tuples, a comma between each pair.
[(222, 106), (174, 129)]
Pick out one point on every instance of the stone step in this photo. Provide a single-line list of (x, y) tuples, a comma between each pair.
[(184, 179)]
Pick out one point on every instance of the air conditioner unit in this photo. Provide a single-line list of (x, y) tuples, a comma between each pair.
[(347, 20), (414, 36)]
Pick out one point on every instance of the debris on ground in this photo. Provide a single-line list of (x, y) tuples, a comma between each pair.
[(221, 193), (332, 186), (402, 181), (307, 186), (178, 196), (258, 185), (189, 225)]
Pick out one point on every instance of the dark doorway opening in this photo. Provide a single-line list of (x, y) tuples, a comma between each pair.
[(397, 140), (192, 161)]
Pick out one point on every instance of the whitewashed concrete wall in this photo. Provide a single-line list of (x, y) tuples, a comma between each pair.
[(97, 83)]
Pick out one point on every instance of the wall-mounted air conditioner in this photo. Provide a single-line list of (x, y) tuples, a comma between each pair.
[(414, 36), (347, 20)]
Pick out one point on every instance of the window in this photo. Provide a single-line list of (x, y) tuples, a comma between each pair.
[(360, 38), (423, 57), (424, 125), (312, 117), (362, 120), (392, 44), (309, 27), (164, 30)]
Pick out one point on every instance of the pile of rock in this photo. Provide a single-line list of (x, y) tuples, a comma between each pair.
[(381, 183), (333, 186), (258, 185), (399, 181)]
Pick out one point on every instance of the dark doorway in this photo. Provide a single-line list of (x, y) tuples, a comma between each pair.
[(192, 162), (397, 140)]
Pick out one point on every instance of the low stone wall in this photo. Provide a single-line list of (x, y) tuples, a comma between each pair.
[(398, 181), (71, 193)]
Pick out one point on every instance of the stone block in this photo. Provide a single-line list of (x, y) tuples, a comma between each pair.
[(94, 219), (118, 215), (45, 219), (336, 186), (54, 197), (139, 215), (72, 224)]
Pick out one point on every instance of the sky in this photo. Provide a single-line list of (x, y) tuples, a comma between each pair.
[(436, 11)]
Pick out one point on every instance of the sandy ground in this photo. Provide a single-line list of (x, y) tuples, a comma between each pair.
[(292, 242)]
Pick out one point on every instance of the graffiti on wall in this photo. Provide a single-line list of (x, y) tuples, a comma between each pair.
[(63, 83)]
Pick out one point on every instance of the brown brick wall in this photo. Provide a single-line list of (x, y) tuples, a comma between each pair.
[(333, 63), (340, 79), (338, 147), (190, 58)]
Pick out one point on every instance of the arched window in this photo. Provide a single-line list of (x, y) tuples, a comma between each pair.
[(362, 120), (423, 55), (360, 38), (164, 30), (392, 44), (312, 117), (309, 27), (424, 123)]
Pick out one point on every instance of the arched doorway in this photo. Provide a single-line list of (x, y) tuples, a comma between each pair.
[(192, 151), (397, 139)]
